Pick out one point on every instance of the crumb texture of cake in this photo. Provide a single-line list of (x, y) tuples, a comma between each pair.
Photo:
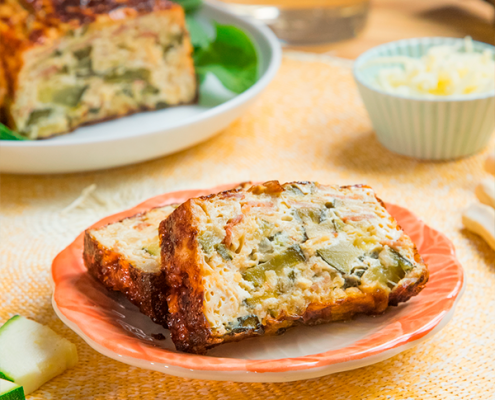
[(69, 64), (255, 262), (125, 257)]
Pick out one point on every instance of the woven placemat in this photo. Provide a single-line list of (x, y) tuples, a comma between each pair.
[(309, 125)]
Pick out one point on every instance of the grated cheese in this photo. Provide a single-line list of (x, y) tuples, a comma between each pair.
[(443, 71)]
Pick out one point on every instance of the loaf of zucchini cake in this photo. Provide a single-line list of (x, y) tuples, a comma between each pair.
[(125, 256), (254, 262), (69, 63)]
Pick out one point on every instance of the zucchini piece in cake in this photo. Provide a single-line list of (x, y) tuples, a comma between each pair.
[(71, 63), (125, 256), (251, 263)]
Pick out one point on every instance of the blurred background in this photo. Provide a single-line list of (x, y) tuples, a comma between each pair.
[(346, 28)]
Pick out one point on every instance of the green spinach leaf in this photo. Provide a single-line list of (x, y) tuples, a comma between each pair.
[(7, 134), (231, 57), (199, 37), (189, 5)]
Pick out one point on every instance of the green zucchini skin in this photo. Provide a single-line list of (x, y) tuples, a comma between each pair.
[(11, 392), (2, 328), (32, 354), (4, 375)]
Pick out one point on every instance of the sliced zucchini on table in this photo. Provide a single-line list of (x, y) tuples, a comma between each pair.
[(10, 391), (32, 354)]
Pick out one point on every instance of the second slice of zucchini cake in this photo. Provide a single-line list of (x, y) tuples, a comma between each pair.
[(125, 256), (248, 263)]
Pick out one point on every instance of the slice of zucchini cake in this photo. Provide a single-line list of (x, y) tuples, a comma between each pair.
[(125, 256), (70, 63), (249, 263)]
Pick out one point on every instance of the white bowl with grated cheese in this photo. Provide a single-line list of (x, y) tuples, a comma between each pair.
[(430, 98)]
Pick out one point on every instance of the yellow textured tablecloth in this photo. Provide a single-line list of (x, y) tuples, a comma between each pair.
[(309, 125)]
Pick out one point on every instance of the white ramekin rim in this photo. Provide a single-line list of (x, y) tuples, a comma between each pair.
[(370, 55)]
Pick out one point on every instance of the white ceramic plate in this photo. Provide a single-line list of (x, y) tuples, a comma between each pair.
[(149, 135)]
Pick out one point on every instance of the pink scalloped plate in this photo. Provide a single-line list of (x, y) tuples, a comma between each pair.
[(115, 328)]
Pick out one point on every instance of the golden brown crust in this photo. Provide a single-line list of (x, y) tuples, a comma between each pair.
[(144, 289), (181, 259), (36, 21), (271, 187), (86, 12)]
